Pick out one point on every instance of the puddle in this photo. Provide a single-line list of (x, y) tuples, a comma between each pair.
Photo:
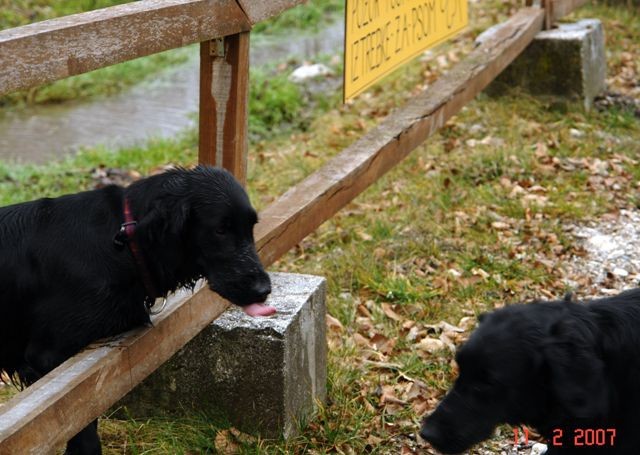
[(155, 108)]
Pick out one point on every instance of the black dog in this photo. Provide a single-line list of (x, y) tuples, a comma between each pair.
[(570, 370), (72, 270)]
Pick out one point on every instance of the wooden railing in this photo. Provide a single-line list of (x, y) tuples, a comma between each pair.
[(56, 407)]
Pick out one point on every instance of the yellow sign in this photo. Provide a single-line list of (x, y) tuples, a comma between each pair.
[(381, 35)]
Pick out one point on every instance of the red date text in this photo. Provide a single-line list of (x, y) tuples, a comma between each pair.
[(585, 437)]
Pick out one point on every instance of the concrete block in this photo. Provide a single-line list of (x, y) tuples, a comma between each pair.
[(262, 374), (567, 61)]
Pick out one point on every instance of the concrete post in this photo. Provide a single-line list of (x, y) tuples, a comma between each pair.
[(263, 374), (567, 61)]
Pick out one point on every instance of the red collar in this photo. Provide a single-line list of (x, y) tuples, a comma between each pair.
[(126, 235)]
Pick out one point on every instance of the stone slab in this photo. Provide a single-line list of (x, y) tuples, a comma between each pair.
[(264, 375), (568, 61)]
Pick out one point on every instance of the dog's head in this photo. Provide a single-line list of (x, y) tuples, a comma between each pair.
[(524, 364), (208, 213)]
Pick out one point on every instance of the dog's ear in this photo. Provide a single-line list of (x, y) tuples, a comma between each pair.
[(577, 376), (167, 218)]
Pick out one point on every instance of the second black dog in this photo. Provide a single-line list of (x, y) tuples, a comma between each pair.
[(570, 370)]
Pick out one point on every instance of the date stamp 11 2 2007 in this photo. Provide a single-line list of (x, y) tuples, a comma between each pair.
[(576, 437)]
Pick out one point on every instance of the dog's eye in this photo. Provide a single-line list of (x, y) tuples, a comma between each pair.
[(223, 228)]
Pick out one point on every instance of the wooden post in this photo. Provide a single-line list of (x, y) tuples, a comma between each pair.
[(224, 88), (547, 5)]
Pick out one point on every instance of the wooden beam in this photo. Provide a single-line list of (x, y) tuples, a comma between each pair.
[(260, 10), (560, 8), (45, 51), (307, 205), (51, 411), (224, 89)]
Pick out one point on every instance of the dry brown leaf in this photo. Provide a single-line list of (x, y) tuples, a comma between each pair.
[(414, 392), (500, 225), (477, 271), (388, 311), (388, 397), (374, 440), (447, 338), (364, 324), (535, 199), (420, 406), (226, 444), (383, 344), (360, 340), (334, 324), (241, 437), (363, 311), (431, 345), (379, 253), (467, 323), (408, 324), (414, 333)]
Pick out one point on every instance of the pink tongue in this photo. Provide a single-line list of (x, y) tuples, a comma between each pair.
[(259, 309)]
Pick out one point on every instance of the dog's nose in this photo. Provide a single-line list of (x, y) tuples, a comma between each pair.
[(262, 291), (428, 433)]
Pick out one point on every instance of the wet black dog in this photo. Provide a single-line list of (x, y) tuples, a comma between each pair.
[(65, 282), (570, 370)]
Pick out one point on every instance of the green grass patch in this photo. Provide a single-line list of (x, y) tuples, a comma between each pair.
[(14, 13), (309, 16), (275, 103)]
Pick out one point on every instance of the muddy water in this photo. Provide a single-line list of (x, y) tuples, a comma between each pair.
[(160, 107)]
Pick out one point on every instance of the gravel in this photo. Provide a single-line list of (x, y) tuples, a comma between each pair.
[(610, 261)]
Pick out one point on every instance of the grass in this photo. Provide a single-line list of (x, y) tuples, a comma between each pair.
[(311, 16), (14, 13), (474, 219), (112, 79)]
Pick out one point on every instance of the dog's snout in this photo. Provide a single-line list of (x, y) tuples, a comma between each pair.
[(262, 289), (428, 432)]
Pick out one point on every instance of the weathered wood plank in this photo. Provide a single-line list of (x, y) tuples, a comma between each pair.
[(53, 409), (224, 90), (45, 51), (307, 205), (259, 10), (560, 8)]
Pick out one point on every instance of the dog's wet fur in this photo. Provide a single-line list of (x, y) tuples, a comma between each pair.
[(554, 366), (64, 283)]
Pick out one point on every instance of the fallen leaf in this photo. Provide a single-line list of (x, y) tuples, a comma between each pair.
[(241, 437), (420, 406), (500, 225), (374, 441), (362, 310), (334, 324), (383, 344), (467, 323), (225, 443), (388, 311), (360, 340), (431, 345)]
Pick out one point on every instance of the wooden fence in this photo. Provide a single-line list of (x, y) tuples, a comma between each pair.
[(52, 410)]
